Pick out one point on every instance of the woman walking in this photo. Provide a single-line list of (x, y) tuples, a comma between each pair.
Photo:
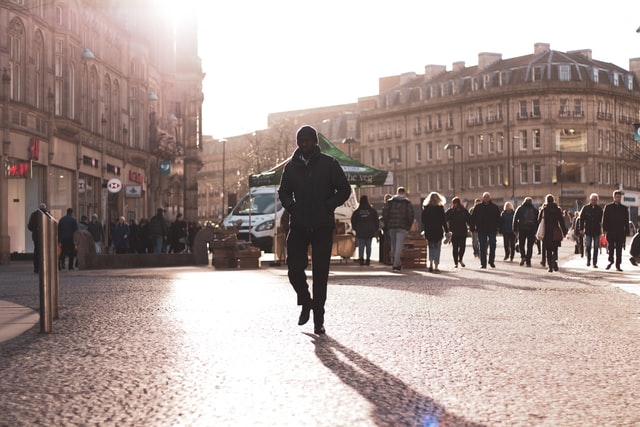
[(366, 224), (506, 228), (434, 225), (121, 236), (458, 221), (554, 230)]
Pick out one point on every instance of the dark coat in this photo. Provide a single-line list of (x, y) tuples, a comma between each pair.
[(591, 220), (66, 227), (311, 191), (553, 217), (365, 222), (525, 220), (615, 221), (486, 218), (398, 213), (121, 234), (458, 220), (434, 222)]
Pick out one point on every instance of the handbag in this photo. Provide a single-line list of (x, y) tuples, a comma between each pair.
[(540, 232), (557, 233)]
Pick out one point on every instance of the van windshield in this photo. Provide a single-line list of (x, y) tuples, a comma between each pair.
[(257, 204)]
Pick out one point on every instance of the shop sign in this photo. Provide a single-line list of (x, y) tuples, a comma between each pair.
[(17, 168), (133, 191), (114, 185), (136, 177)]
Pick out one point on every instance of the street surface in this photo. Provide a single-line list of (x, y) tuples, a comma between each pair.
[(510, 346)]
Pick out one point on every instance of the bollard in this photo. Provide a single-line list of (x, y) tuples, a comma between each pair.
[(48, 266)]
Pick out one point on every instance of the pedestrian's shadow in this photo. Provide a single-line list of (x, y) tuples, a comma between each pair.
[(394, 402)]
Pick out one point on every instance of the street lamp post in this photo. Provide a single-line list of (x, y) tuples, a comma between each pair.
[(223, 193), (452, 148), (349, 141)]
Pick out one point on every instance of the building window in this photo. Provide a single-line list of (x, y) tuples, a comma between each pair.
[(491, 144), (501, 178), (418, 152), (594, 74), (438, 150), (522, 138), (537, 74), (522, 110), (629, 82), (372, 157), (564, 107), (471, 144), (535, 106), (381, 156), (449, 120), (16, 38), (607, 141), (616, 79), (524, 173), (537, 174), (492, 173), (480, 145), (564, 73), (577, 108), (500, 142), (59, 15), (600, 138), (536, 139), (418, 126), (429, 151), (499, 111)]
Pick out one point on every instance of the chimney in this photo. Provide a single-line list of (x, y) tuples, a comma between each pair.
[(431, 71), (407, 77), (539, 48), (634, 67), (458, 66), (485, 59), (584, 52)]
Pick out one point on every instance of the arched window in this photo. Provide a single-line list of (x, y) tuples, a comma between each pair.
[(16, 59), (38, 57)]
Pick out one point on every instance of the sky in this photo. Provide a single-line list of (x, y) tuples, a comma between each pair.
[(267, 56)]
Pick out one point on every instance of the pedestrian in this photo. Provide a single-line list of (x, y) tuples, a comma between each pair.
[(83, 225), (97, 232), (366, 225), (67, 226), (158, 230), (398, 216), (577, 236), (486, 221), (312, 186), (384, 250), (554, 230), (634, 250), (475, 243), (615, 225), (434, 225), (178, 234), (525, 224), (143, 243), (34, 226), (506, 228), (458, 221), (121, 235)]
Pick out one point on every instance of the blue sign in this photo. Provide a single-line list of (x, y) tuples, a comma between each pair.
[(165, 167)]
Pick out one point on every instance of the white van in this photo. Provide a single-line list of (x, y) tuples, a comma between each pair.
[(254, 215)]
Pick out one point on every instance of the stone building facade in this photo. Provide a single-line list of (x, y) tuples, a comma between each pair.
[(101, 112), (549, 122)]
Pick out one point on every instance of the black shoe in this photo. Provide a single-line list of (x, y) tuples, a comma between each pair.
[(618, 268), (304, 314), (550, 270), (319, 330), (484, 266), (528, 263), (430, 269), (555, 267), (368, 262), (462, 264), (609, 266), (396, 268), (522, 261), (595, 265), (492, 265), (361, 261), (633, 261)]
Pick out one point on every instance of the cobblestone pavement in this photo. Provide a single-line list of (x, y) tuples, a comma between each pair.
[(511, 346)]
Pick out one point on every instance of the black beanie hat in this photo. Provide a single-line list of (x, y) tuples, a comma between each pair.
[(309, 131)]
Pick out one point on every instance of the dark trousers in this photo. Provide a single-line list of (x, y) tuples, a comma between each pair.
[(68, 250), (458, 244), (36, 255), (298, 242), (551, 251), (509, 240), (487, 240), (526, 241), (615, 246)]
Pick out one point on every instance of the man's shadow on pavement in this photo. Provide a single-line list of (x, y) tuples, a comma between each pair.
[(395, 402)]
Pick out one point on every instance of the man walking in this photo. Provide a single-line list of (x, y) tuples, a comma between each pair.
[(66, 227), (158, 231), (97, 232), (591, 227), (313, 185), (397, 215), (486, 220), (34, 226), (525, 224), (615, 224)]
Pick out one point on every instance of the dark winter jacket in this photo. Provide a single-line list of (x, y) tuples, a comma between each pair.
[(66, 227), (398, 213), (458, 220), (434, 222), (615, 221), (365, 222), (157, 226), (553, 218), (591, 220), (486, 218), (506, 222), (311, 192), (525, 220)]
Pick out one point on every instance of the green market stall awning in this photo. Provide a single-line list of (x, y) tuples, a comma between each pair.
[(357, 173)]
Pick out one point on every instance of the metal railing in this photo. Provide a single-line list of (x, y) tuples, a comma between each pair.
[(48, 267)]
